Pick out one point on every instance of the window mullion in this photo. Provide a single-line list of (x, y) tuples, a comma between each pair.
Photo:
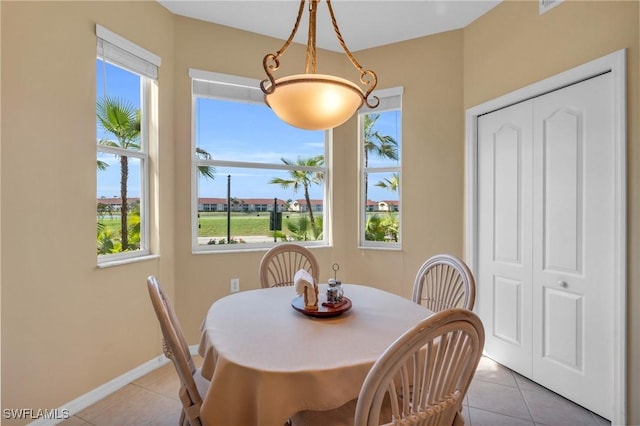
[(382, 169), (248, 165), (120, 151)]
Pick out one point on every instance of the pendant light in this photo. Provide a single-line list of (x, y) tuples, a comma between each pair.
[(315, 101)]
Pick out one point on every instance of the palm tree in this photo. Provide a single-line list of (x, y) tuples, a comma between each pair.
[(392, 183), (208, 172), (300, 228), (101, 165), (389, 225), (302, 178), (381, 228), (122, 119), (382, 146)]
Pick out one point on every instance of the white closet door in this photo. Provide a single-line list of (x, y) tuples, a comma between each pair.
[(504, 222), (546, 239), (573, 243)]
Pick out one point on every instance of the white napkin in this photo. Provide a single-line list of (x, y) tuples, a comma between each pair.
[(303, 280)]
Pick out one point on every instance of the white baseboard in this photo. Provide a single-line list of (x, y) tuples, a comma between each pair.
[(83, 401)]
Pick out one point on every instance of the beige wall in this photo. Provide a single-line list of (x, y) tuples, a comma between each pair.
[(69, 326), (512, 46)]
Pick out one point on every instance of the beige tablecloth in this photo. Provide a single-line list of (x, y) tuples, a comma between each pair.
[(267, 361)]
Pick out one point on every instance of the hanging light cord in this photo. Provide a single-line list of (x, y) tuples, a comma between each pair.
[(271, 62), (367, 77), (311, 39)]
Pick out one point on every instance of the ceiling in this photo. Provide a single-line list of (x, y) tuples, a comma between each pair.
[(363, 23)]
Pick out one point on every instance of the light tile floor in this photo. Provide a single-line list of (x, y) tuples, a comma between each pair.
[(497, 396)]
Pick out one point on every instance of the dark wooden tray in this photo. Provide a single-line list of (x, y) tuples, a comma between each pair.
[(324, 311)]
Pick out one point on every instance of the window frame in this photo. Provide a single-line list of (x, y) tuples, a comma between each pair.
[(120, 52), (390, 100), (225, 87)]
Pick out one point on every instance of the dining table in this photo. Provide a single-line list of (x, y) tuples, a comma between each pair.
[(267, 360)]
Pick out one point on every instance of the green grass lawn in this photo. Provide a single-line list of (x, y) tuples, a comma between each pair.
[(214, 224), (242, 224)]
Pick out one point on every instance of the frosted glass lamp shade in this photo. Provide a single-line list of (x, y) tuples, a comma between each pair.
[(314, 101)]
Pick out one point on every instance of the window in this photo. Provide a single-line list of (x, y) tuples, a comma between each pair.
[(256, 180), (125, 84), (380, 147)]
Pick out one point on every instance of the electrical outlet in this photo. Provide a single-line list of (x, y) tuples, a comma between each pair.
[(235, 285)]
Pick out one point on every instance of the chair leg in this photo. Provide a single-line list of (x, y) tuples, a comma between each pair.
[(183, 419)]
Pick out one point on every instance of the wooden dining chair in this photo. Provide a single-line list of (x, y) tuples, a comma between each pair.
[(443, 282), (174, 345), (420, 379), (281, 262), (424, 374)]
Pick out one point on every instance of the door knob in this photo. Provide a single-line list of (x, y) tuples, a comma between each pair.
[(563, 284)]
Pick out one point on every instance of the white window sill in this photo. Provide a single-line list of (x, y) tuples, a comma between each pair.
[(247, 248), (381, 247), (118, 262)]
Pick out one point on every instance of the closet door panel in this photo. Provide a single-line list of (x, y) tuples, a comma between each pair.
[(504, 273), (573, 228), (562, 168)]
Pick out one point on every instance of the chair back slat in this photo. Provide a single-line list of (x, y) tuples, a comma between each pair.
[(279, 265), (444, 282), (425, 373)]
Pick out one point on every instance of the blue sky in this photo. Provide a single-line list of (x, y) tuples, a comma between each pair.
[(125, 85), (223, 130)]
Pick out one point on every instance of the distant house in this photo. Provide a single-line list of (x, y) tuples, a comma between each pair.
[(212, 204), (239, 205), (301, 205), (208, 204), (383, 206), (388, 206), (114, 204)]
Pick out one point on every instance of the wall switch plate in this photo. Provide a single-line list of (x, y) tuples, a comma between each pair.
[(546, 5), (235, 285)]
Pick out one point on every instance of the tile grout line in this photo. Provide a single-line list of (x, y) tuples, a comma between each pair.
[(83, 419), (154, 391), (526, 403), (511, 416), (488, 410), (544, 390)]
